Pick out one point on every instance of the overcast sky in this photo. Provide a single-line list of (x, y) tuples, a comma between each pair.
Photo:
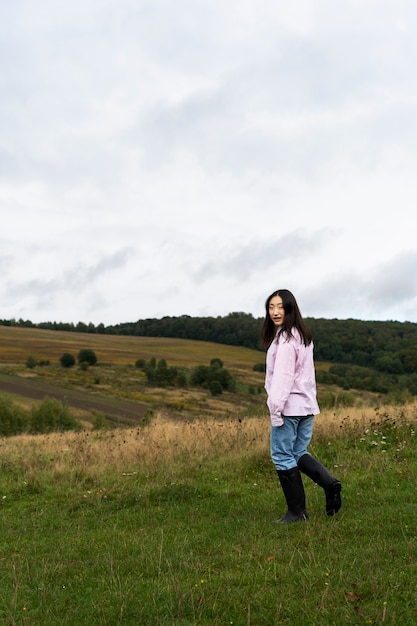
[(190, 157)]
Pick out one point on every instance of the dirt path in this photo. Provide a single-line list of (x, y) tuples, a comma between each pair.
[(37, 390)]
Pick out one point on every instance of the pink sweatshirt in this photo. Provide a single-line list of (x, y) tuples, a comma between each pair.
[(290, 380)]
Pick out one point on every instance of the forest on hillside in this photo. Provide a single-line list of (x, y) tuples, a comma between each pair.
[(388, 346)]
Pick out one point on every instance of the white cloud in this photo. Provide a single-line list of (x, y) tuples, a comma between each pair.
[(162, 158)]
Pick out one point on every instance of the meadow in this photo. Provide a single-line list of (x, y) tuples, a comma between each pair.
[(172, 523)]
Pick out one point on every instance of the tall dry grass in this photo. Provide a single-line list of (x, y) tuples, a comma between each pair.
[(155, 448)]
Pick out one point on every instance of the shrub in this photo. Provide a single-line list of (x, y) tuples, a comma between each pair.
[(329, 400), (13, 419), (30, 363), (51, 415), (161, 375), (326, 399), (67, 360), (345, 399), (204, 376), (87, 356)]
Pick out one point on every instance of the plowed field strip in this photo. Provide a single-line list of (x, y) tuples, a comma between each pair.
[(37, 390)]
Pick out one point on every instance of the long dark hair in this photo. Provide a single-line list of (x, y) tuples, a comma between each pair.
[(292, 319)]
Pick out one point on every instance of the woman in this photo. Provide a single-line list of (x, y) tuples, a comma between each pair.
[(291, 389)]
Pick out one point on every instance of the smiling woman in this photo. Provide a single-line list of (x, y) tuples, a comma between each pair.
[(291, 389)]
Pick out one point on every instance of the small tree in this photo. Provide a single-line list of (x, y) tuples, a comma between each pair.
[(205, 376), (51, 415), (87, 355), (31, 363), (13, 418), (67, 360)]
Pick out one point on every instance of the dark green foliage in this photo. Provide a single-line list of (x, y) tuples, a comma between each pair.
[(140, 364), (87, 355), (30, 363), (160, 375), (13, 419), (213, 377), (48, 416), (237, 329), (215, 388), (51, 415), (366, 378), (67, 360), (259, 367)]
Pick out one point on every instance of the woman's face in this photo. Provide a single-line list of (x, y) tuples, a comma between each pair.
[(276, 310)]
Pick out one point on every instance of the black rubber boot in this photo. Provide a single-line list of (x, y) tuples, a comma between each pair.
[(293, 488), (319, 474)]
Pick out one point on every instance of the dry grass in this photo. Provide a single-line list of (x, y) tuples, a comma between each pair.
[(164, 442), (17, 344)]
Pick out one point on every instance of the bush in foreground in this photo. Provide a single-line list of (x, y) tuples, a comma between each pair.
[(44, 417), (51, 415), (13, 418)]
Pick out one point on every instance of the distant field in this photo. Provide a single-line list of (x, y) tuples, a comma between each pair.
[(115, 380), (114, 386), (16, 344)]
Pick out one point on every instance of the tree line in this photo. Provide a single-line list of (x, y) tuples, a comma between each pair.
[(387, 347)]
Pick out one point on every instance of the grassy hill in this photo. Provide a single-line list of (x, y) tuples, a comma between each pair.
[(16, 344), (115, 377), (171, 523)]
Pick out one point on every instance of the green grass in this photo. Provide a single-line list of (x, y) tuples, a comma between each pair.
[(147, 527)]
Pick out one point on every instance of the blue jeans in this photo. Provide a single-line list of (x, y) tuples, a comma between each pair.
[(290, 441)]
